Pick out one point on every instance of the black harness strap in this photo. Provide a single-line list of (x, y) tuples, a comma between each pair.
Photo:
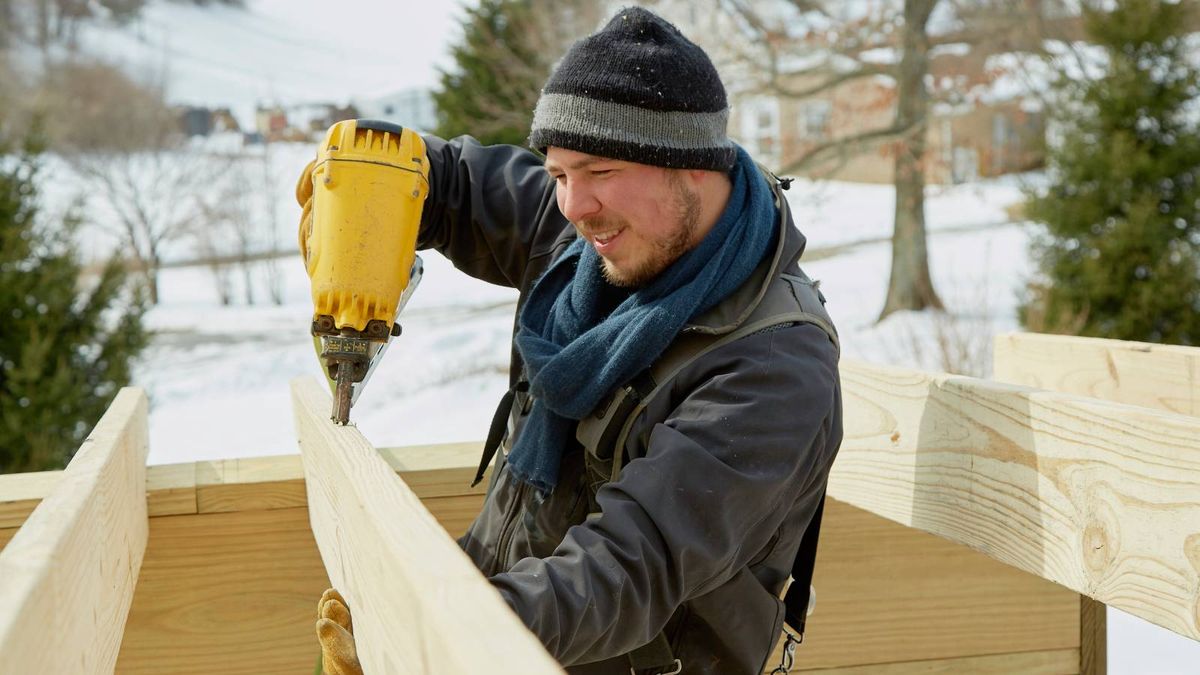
[(499, 425), (798, 594), (654, 658)]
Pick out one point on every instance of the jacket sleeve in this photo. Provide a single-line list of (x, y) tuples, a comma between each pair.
[(754, 435), (488, 208)]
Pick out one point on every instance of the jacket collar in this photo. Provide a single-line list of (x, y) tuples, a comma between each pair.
[(735, 309)]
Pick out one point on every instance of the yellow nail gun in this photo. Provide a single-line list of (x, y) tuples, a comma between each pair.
[(369, 183)]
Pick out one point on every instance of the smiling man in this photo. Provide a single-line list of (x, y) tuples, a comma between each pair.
[(675, 405)]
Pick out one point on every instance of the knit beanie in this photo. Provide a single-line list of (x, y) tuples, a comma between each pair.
[(638, 91)]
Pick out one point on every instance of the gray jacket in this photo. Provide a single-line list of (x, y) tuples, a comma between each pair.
[(723, 474)]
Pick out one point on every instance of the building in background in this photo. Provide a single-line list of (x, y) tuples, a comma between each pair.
[(980, 123)]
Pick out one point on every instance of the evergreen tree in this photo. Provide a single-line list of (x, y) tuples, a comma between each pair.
[(65, 346), (1121, 257), (507, 51)]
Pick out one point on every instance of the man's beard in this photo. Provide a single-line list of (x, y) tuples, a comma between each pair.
[(663, 251)]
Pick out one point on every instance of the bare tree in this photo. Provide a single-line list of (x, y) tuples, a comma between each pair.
[(151, 198), (274, 276), (797, 49)]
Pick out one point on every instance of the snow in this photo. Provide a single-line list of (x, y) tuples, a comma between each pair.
[(217, 376)]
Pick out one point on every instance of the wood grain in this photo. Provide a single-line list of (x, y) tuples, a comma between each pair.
[(1057, 662), (236, 592), (888, 593), (232, 593), (1100, 497), (67, 577), (1162, 377), (20, 493), (414, 594)]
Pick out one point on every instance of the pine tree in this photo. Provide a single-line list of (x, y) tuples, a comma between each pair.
[(1121, 255), (65, 346), (507, 51)]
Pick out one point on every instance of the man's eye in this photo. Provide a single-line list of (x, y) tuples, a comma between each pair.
[(601, 172)]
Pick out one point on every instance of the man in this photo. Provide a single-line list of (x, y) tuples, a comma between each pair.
[(645, 240)]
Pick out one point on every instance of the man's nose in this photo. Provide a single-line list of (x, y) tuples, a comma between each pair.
[(577, 202)]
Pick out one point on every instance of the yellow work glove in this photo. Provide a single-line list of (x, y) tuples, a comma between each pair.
[(304, 193), (336, 633)]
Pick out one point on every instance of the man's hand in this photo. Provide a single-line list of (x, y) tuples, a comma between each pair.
[(336, 633), (304, 193)]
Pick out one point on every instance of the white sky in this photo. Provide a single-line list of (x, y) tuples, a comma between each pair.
[(285, 50)]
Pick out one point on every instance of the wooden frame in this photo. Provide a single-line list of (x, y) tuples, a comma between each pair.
[(1159, 377), (414, 595), (1102, 498), (67, 577), (1053, 494)]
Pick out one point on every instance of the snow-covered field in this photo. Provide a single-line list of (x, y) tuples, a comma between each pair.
[(218, 376)]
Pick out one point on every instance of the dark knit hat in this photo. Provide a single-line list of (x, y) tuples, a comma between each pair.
[(639, 91)]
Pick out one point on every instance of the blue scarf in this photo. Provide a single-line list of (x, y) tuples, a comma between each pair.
[(576, 353)]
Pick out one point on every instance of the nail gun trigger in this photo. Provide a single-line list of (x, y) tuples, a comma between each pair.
[(397, 329)]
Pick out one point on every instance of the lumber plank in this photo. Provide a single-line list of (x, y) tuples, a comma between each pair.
[(1089, 367), (6, 535), (232, 593), (20, 493), (250, 484), (438, 470), (412, 591), (171, 489), (236, 592), (67, 577), (1162, 377), (273, 482), (1056, 662), (1100, 497), (888, 593), (1093, 637)]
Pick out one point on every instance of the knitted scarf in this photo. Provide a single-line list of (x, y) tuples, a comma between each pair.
[(576, 351)]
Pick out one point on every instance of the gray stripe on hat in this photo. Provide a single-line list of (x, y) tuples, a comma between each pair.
[(631, 124)]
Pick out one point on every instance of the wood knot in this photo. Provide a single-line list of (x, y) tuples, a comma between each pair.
[(1191, 550), (1099, 548)]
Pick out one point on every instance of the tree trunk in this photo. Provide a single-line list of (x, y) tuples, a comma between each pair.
[(910, 286)]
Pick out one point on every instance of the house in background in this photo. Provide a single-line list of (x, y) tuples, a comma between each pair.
[(300, 122), (204, 121), (981, 136), (980, 122)]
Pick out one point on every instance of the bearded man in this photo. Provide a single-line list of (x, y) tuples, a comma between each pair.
[(674, 406)]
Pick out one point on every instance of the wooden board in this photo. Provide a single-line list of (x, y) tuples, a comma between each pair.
[(68, 575), (20, 493), (1057, 662), (236, 592), (888, 593), (1100, 497), (1163, 377), (413, 593), (231, 593)]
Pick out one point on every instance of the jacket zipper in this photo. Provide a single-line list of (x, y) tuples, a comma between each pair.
[(508, 527)]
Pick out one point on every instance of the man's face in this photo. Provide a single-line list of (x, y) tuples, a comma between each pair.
[(639, 218)]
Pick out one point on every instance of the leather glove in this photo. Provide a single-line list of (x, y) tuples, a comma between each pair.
[(336, 633), (304, 193)]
